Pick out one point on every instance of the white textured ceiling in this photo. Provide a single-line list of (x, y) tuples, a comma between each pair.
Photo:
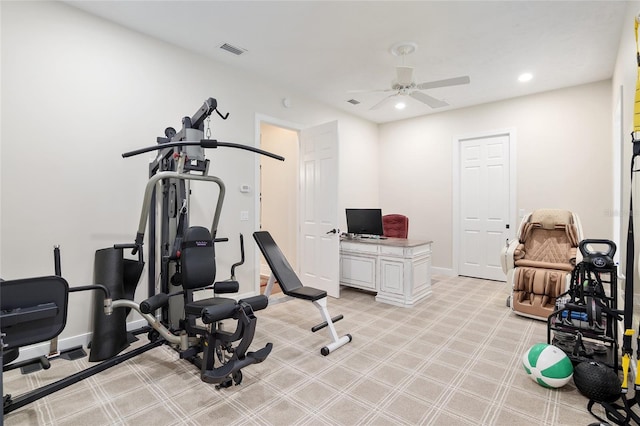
[(323, 49)]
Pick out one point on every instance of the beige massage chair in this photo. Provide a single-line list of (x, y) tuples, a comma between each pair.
[(539, 262)]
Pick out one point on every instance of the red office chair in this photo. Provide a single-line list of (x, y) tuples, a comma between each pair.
[(395, 225)]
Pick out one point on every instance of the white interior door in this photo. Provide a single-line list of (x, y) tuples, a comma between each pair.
[(484, 205), (319, 259)]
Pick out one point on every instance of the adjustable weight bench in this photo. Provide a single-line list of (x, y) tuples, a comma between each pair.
[(292, 286)]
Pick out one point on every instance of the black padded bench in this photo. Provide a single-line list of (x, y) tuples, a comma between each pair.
[(292, 286)]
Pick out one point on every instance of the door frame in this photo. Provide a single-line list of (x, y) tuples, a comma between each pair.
[(297, 127), (513, 220)]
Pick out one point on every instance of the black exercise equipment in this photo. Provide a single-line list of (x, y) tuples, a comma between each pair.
[(34, 310), (585, 322), (69, 354), (292, 286), (623, 413), (120, 276), (187, 263), (620, 408), (180, 157), (221, 362), (597, 381)]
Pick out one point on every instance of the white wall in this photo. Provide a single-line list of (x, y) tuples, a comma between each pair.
[(624, 85), (563, 160), (359, 159), (77, 91)]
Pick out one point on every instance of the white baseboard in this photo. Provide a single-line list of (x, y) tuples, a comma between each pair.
[(435, 270)]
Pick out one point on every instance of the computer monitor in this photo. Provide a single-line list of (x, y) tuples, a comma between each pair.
[(364, 221)]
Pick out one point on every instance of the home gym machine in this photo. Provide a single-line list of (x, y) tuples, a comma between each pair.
[(34, 310), (187, 258)]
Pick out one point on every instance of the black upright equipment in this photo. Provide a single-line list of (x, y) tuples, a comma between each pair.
[(622, 412), (34, 310), (585, 322), (621, 408), (187, 258), (180, 159)]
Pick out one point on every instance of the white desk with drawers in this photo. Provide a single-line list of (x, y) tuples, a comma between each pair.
[(398, 270)]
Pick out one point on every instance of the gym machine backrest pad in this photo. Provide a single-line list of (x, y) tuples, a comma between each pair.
[(198, 258)]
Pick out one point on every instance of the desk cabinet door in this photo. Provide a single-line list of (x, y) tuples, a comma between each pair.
[(392, 276), (358, 271)]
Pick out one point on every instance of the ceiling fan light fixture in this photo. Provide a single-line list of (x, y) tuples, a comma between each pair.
[(404, 85), (524, 77)]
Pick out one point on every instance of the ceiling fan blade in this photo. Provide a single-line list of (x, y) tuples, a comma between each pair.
[(404, 75), (429, 100), (382, 102), (444, 83), (370, 90)]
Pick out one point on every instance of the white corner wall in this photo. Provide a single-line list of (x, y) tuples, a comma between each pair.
[(77, 91), (563, 161)]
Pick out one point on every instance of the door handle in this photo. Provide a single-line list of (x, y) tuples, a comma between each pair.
[(333, 231)]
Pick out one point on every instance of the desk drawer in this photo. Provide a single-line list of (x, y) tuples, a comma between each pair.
[(392, 251), (406, 251), (421, 250), (359, 247)]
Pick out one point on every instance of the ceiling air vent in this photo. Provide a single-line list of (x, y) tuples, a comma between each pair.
[(233, 49), (353, 102)]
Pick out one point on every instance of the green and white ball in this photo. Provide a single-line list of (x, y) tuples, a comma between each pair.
[(547, 365)]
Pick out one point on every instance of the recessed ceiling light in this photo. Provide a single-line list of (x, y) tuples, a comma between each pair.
[(525, 77), (400, 105)]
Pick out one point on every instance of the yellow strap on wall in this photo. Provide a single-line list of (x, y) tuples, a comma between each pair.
[(636, 107), (626, 361)]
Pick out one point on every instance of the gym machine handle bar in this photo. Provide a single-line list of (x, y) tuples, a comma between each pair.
[(136, 249), (204, 143)]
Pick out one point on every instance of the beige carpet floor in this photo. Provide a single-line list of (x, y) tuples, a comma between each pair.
[(453, 359)]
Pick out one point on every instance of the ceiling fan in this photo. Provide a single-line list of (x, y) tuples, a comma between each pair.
[(404, 85)]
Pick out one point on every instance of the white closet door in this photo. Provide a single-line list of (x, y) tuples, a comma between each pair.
[(484, 205)]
